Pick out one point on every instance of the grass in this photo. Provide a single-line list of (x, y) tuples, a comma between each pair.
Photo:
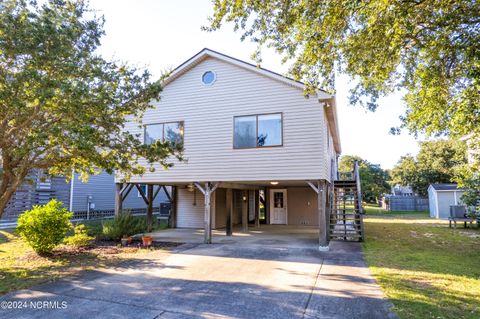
[(21, 267), (426, 269), (379, 211)]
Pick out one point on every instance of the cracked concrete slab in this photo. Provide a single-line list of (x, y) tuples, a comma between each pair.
[(254, 276)]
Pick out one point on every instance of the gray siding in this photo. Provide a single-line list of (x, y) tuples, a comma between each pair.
[(102, 188), (207, 113), (37, 192)]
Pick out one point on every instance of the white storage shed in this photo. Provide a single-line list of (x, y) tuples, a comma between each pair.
[(441, 197)]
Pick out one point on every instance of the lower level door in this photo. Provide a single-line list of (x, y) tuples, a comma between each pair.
[(278, 206)]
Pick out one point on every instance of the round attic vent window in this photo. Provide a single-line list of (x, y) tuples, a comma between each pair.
[(209, 77)]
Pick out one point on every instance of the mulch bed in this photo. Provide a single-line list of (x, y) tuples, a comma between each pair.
[(99, 247)]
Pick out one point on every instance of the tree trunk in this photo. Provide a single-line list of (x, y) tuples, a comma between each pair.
[(7, 188)]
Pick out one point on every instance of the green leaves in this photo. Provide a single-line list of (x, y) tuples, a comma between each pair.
[(431, 49), (44, 227), (374, 180), (64, 106), (437, 162)]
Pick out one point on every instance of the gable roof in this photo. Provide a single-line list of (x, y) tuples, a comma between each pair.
[(328, 100), (444, 187)]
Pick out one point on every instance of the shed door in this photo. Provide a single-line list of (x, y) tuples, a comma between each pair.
[(278, 206)]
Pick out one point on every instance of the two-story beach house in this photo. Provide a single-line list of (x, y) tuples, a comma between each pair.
[(257, 150)]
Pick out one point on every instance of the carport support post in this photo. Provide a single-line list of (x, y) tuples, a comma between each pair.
[(173, 208), (229, 200), (118, 198), (150, 207), (208, 215), (245, 211), (320, 187), (257, 209), (322, 216)]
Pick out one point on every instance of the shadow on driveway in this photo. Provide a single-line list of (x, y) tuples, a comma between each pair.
[(217, 281)]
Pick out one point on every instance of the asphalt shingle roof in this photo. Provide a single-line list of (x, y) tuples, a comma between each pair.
[(445, 187)]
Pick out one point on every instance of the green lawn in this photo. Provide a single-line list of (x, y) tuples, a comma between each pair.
[(379, 211), (21, 267), (426, 269)]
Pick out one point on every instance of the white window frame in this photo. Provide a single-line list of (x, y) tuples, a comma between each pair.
[(145, 191)]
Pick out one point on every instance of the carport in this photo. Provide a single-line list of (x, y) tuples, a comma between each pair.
[(301, 204), (269, 235)]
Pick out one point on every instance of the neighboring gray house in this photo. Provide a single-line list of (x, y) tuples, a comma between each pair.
[(399, 190), (249, 135), (38, 190), (98, 192), (441, 197)]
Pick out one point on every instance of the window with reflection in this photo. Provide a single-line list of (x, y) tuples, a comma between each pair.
[(245, 135), (269, 130), (257, 131), (171, 132)]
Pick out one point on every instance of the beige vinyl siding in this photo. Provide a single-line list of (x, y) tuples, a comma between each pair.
[(188, 214), (207, 113), (302, 206)]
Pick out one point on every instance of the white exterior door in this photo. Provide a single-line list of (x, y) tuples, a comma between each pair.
[(278, 206)]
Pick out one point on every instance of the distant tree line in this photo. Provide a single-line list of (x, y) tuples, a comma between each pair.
[(373, 179)]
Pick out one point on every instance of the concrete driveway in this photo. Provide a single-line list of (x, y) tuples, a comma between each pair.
[(248, 276)]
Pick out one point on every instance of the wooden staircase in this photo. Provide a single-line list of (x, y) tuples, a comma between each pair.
[(346, 219)]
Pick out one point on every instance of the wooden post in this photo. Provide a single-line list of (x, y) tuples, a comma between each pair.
[(173, 212), (229, 200), (149, 207), (208, 215), (207, 191), (322, 217), (257, 209), (245, 211), (118, 198)]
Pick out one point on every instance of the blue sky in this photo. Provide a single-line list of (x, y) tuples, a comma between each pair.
[(160, 34)]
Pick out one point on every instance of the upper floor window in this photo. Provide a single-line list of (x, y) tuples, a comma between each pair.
[(257, 131), (209, 77), (172, 132)]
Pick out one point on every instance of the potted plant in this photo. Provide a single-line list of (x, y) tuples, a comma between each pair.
[(125, 240), (147, 240)]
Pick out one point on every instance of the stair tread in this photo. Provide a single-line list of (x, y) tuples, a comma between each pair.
[(346, 220)]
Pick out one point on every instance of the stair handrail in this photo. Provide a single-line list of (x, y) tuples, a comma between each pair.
[(356, 173)]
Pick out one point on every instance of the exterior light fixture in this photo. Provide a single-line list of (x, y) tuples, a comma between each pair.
[(244, 198), (190, 187), (274, 183)]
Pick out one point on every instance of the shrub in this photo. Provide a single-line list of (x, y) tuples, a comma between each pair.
[(94, 228), (80, 237), (123, 224), (44, 227)]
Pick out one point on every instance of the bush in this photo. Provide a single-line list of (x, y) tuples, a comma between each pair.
[(44, 227), (80, 237), (123, 224), (94, 228)]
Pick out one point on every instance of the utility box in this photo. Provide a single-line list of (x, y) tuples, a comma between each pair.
[(165, 209), (457, 211)]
